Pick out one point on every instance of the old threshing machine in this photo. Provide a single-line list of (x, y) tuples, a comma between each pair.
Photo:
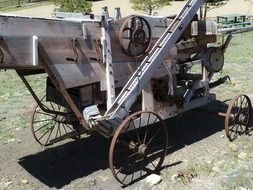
[(120, 78)]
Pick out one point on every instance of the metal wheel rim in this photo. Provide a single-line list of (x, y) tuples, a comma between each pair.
[(231, 134), (56, 130), (124, 27), (156, 166)]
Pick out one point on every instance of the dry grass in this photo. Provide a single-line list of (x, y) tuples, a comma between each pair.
[(16, 102), (239, 66)]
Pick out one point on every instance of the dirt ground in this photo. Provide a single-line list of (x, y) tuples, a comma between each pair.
[(197, 147)]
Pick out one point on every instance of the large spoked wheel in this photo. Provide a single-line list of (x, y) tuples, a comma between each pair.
[(238, 116), (137, 151), (49, 128)]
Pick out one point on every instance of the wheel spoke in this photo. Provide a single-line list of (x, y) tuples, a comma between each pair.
[(152, 127), (124, 178), (59, 126), (242, 102), (233, 125), (52, 106), (71, 129), (40, 121), (157, 132), (140, 122), (241, 128), (59, 107), (132, 179), (50, 134), (42, 127), (44, 113), (145, 136), (135, 130), (141, 23), (153, 165), (242, 105), (129, 157), (128, 133), (237, 127), (63, 125), (43, 134), (57, 131), (119, 170)]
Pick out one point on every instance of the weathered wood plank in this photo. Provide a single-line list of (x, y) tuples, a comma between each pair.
[(75, 75), (62, 50), (26, 26), (16, 52)]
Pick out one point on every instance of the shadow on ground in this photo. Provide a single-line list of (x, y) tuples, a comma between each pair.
[(196, 125), (58, 166)]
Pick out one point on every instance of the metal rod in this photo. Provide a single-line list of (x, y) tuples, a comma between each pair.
[(28, 86), (222, 114)]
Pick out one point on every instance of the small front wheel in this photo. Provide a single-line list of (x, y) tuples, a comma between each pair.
[(238, 116)]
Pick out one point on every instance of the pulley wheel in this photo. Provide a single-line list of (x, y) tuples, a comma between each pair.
[(135, 36), (214, 59)]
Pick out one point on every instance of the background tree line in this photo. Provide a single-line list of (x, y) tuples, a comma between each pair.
[(147, 6)]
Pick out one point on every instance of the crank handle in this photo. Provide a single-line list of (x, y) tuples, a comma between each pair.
[(225, 45)]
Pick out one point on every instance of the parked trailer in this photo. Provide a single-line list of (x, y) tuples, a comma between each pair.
[(120, 78)]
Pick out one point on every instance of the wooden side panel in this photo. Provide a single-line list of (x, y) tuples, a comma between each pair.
[(74, 75), (63, 52), (16, 52), (67, 50), (25, 26)]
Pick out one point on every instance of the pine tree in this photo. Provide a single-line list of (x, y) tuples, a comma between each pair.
[(148, 6), (73, 5)]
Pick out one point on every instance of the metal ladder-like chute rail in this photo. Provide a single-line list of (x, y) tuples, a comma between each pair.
[(159, 52)]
